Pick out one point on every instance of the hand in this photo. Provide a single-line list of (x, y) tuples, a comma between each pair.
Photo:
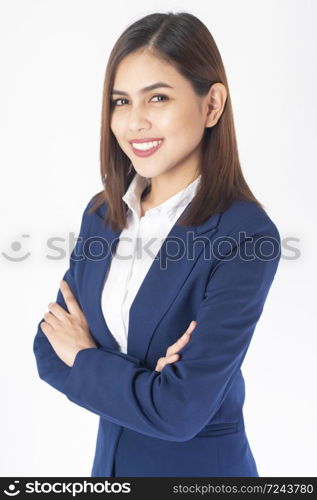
[(68, 333), (171, 353)]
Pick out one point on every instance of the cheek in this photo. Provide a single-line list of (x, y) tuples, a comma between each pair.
[(117, 132), (182, 118), (118, 124), (185, 127), (114, 125)]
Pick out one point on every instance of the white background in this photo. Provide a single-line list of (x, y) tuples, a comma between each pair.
[(53, 59)]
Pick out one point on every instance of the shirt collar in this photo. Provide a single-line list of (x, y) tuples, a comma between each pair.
[(169, 207), (132, 195)]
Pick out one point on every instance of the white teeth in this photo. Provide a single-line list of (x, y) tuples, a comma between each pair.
[(143, 146)]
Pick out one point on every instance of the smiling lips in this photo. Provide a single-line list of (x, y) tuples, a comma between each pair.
[(142, 148)]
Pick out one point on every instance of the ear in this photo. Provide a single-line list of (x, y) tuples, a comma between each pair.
[(215, 101)]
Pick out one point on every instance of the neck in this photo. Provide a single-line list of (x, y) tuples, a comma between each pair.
[(167, 185)]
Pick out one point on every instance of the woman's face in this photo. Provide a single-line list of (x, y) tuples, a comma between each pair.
[(174, 114)]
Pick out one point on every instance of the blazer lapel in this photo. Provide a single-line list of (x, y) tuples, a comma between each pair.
[(159, 288), (163, 282), (93, 283)]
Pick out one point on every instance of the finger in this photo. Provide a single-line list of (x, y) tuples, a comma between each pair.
[(46, 329), (51, 320), (178, 345), (165, 361), (191, 327), (182, 341), (57, 310), (69, 298)]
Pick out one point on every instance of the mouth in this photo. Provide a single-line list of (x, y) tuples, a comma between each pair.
[(143, 149)]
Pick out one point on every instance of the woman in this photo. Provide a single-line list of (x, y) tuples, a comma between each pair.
[(153, 341)]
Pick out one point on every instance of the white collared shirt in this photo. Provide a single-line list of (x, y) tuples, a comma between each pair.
[(138, 245)]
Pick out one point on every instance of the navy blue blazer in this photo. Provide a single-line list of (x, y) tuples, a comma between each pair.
[(186, 420)]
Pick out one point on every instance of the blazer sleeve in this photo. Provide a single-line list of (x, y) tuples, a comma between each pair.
[(176, 403), (50, 367)]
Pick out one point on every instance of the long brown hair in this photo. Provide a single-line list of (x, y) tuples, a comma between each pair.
[(182, 40)]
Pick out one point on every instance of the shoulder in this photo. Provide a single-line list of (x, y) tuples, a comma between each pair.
[(91, 220), (239, 216), (244, 223), (248, 216), (100, 207)]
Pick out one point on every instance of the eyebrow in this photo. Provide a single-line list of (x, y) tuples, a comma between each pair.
[(145, 89)]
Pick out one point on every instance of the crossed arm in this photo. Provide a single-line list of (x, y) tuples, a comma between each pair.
[(177, 402)]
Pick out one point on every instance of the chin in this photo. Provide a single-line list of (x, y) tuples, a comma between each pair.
[(149, 168)]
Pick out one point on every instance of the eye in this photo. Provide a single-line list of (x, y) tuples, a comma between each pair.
[(160, 95), (115, 101)]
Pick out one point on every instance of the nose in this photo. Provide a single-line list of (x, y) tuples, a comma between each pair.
[(138, 118)]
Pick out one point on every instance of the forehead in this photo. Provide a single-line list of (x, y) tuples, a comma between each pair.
[(142, 68)]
